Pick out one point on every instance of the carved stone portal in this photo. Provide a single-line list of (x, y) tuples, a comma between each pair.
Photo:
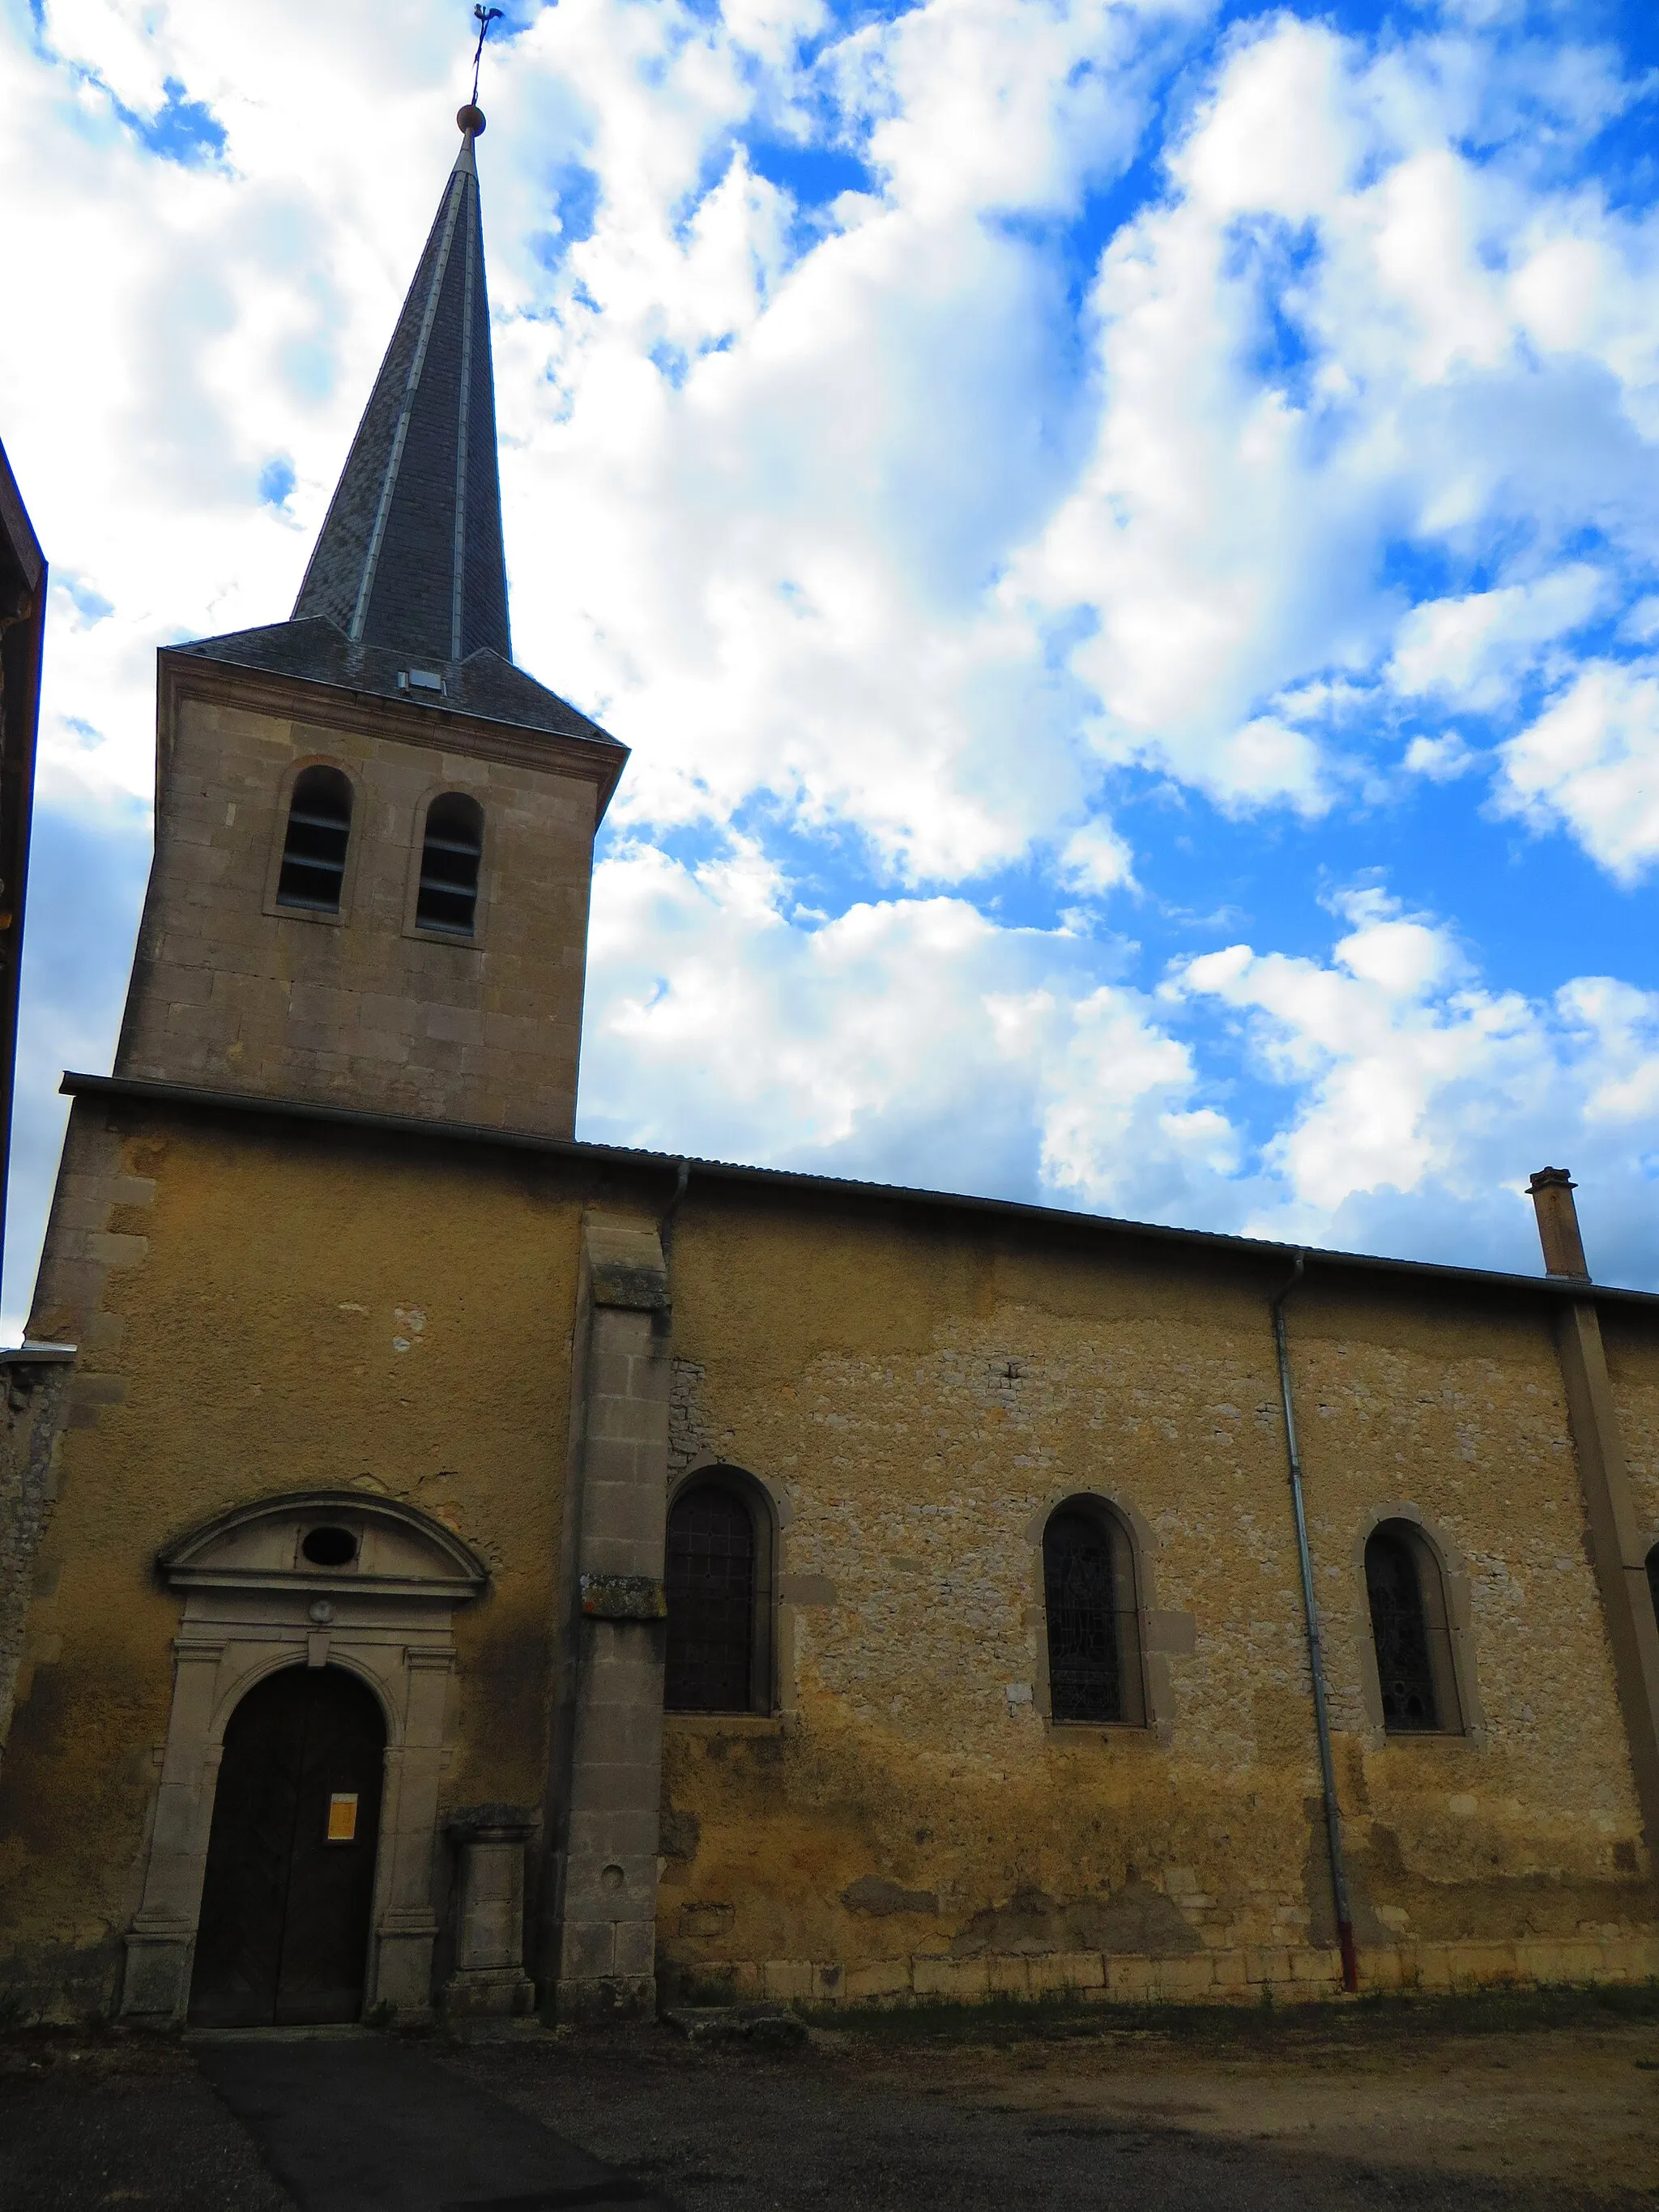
[(331, 1577)]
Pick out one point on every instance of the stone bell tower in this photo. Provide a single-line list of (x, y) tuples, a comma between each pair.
[(374, 834)]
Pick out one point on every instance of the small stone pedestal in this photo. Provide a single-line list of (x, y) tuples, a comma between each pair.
[(490, 1982)]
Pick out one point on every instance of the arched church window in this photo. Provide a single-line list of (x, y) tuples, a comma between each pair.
[(1411, 1632), (448, 899), (718, 1591), (318, 834), (1090, 1605)]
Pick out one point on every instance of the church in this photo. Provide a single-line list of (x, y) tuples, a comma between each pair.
[(450, 1571)]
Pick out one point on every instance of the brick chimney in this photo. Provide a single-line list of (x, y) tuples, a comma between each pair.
[(1558, 1223)]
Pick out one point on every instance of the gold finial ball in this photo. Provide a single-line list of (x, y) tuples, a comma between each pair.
[(472, 119)]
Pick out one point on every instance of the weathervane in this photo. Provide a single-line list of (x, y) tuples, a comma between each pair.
[(484, 17)]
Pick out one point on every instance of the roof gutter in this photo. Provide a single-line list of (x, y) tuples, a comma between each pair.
[(142, 1090)]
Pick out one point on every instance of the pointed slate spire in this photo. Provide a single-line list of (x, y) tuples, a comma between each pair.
[(408, 581), (410, 556)]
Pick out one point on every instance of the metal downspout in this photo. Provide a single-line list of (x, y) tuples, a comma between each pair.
[(1316, 1645), (666, 1226)]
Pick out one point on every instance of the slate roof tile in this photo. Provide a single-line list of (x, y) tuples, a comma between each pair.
[(408, 571)]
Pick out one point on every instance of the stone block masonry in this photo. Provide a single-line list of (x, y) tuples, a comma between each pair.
[(269, 1305), (918, 1406), (34, 1388), (231, 991), (1303, 1976), (318, 1312), (94, 1236), (599, 1953)]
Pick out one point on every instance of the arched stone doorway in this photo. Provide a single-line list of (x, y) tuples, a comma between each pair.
[(283, 1939), (326, 1581)]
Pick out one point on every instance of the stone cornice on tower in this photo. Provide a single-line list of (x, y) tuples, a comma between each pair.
[(458, 727)]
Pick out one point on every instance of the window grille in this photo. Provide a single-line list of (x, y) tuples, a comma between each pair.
[(448, 899), (1400, 1626), (711, 1603), (1085, 1670), (318, 834)]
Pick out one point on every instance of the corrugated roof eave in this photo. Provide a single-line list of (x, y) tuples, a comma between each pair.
[(1552, 1287)]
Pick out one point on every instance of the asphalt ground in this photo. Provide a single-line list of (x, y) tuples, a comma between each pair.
[(90, 2121), (372, 2125), (1556, 2111), (1093, 2122)]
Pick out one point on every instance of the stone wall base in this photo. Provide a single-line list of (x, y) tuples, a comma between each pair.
[(156, 1987), (1205, 1977), (606, 1998), (485, 1993)]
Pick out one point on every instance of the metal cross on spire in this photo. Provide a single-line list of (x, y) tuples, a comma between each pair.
[(484, 17)]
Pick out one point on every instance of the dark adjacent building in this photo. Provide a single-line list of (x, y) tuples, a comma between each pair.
[(22, 631)]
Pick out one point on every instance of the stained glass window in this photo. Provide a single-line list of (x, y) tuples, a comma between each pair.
[(1085, 1674), (1405, 1664), (711, 1603)]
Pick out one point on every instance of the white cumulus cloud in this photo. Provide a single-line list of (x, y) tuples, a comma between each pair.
[(1424, 1099), (1153, 420), (1591, 760), (1472, 650)]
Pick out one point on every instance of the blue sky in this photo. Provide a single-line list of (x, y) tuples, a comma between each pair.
[(1124, 540)]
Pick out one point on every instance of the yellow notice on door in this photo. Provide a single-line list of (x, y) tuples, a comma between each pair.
[(342, 1817)]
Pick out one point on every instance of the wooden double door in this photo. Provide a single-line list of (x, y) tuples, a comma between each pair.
[(283, 1939)]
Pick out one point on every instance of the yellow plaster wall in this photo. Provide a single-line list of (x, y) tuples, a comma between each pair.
[(916, 1399), (916, 1391), (252, 1328)]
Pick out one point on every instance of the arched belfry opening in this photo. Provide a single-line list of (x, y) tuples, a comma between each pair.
[(283, 1939), (452, 850), (316, 841)]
